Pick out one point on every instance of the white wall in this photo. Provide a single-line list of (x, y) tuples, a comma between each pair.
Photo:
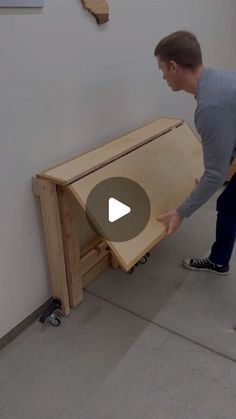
[(67, 85)]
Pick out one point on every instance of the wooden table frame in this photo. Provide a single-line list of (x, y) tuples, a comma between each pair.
[(72, 269)]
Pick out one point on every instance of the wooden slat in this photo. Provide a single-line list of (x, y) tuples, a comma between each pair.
[(68, 211), (90, 246), (87, 262), (166, 168), (80, 166), (54, 242), (86, 234), (103, 264), (91, 259)]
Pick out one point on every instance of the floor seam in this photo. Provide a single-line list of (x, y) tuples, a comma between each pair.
[(173, 332)]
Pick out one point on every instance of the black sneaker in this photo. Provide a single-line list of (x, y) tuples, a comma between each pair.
[(205, 265)]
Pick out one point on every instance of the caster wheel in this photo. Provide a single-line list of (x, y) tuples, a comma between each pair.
[(55, 320), (143, 260), (51, 314), (131, 271)]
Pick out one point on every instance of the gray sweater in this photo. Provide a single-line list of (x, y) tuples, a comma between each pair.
[(215, 120)]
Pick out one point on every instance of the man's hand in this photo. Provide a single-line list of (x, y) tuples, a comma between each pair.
[(172, 219)]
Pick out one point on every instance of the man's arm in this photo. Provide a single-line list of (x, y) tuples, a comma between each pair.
[(216, 127)]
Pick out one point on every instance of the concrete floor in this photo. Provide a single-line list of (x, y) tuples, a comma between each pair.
[(158, 344)]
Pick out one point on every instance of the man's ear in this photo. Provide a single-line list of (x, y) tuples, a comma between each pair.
[(173, 66)]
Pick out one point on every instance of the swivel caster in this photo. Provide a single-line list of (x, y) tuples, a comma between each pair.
[(131, 270), (143, 260), (53, 317)]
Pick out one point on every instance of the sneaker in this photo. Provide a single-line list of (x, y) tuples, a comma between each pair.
[(205, 265)]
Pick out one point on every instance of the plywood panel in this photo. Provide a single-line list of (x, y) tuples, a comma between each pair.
[(78, 167), (166, 169)]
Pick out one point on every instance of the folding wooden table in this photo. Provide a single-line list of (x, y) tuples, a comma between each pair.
[(164, 157)]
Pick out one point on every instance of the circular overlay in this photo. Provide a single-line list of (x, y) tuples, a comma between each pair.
[(118, 209)]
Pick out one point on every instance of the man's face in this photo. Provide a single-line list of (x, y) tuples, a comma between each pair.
[(171, 73)]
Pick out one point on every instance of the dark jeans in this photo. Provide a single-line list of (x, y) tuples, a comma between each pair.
[(222, 249)]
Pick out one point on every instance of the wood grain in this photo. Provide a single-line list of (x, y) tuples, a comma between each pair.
[(71, 243), (78, 167), (54, 242), (166, 169)]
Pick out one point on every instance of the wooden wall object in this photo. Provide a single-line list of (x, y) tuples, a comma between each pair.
[(98, 8)]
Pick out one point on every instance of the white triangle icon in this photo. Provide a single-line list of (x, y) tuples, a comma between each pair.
[(117, 210)]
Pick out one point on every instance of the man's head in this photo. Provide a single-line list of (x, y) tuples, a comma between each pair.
[(179, 57)]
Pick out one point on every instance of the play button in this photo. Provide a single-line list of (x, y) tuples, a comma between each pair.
[(118, 209)]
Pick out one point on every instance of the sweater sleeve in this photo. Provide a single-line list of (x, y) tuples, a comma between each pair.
[(216, 127)]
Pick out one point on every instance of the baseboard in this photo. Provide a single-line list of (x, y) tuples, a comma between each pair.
[(23, 325)]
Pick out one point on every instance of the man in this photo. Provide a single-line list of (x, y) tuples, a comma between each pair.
[(180, 59)]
